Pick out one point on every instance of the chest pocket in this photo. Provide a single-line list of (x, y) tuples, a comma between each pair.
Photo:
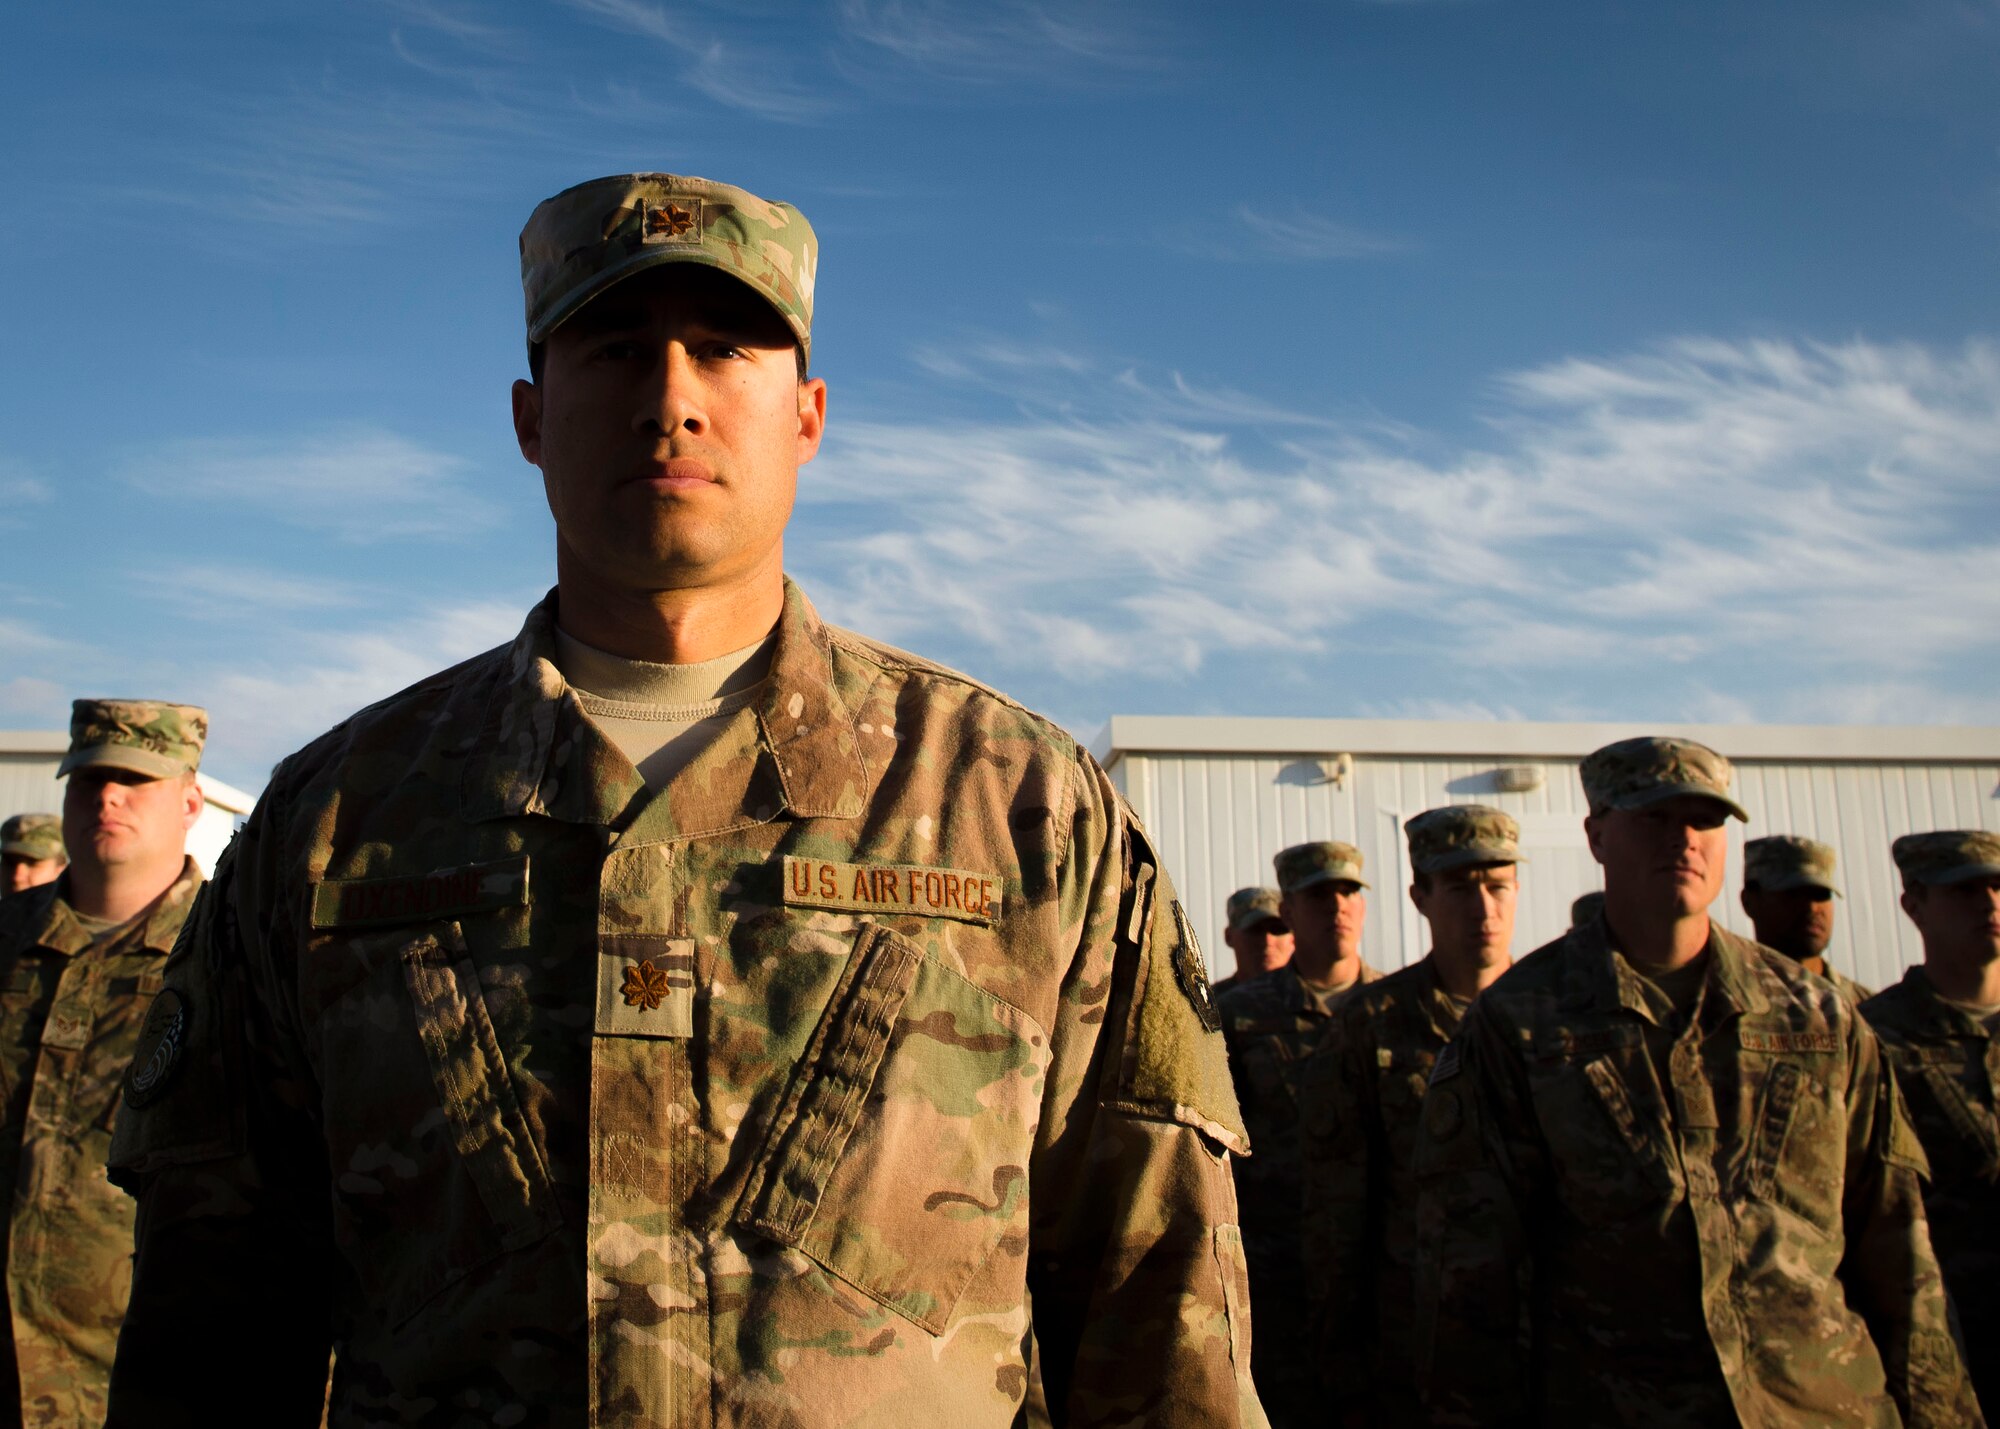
[(434, 1169), (898, 1157), (1800, 1154), (1935, 1086), (1401, 1084), (1610, 1165)]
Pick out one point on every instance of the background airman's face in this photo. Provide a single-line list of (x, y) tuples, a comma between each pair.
[(19, 873), (114, 817), (1668, 858), (1470, 910), (669, 424), (1326, 918), (1957, 920), (1266, 943), (1798, 922)]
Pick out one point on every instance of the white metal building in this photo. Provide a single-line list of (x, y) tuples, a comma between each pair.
[(28, 785), (1220, 796)]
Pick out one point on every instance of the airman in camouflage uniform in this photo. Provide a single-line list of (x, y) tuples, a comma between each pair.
[(1362, 1098), (774, 1093), (1254, 928), (1938, 1026), (80, 959), (1788, 892), (1272, 1024), (1682, 1157), (1586, 907), (31, 852)]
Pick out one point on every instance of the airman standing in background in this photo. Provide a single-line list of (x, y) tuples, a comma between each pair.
[(80, 959), (1939, 1027), (31, 852), (1362, 1101), (1681, 1158), (1788, 893), (1272, 1024), (1255, 931)]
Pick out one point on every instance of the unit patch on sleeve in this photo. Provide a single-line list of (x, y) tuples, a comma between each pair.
[(909, 889), (1191, 972), (162, 1038), (446, 893)]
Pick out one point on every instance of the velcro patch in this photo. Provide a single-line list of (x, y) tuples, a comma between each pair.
[(1446, 1066), (1191, 972), (162, 1038), (909, 889), (1788, 1041), (446, 893), (645, 985)]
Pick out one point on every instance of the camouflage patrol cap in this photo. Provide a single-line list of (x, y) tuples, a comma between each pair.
[(1947, 856), (1585, 908), (1786, 861), (146, 736), (1248, 907), (1635, 773), (1461, 835), (1303, 865), (601, 232), (34, 836)]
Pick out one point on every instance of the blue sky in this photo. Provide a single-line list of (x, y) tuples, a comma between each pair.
[(1563, 360)]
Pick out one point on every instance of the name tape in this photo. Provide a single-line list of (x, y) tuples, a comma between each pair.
[(446, 893), (909, 889)]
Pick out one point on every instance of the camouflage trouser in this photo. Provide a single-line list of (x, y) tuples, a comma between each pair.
[(1282, 1360)]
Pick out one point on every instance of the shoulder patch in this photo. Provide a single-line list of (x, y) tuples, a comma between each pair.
[(163, 1039), (1192, 972)]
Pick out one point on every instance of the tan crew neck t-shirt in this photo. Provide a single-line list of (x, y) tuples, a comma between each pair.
[(661, 716)]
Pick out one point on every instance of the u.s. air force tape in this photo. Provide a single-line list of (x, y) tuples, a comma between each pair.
[(162, 1039)]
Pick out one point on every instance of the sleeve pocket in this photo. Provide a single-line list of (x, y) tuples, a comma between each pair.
[(898, 1157)]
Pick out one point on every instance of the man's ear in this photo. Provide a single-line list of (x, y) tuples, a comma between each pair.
[(192, 803), (812, 417), (1593, 832), (528, 420)]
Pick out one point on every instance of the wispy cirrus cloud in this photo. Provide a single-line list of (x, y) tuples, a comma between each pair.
[(1002, 42), (1815, 517), (731, 68), (357, 484), (1310, 237)]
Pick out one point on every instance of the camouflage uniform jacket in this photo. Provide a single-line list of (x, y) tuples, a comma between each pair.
[(1948, 1067), (69, 1020), (1855, 993), (1746, 1245), (773, 1098), (1272, 1024), (1362, 1096)]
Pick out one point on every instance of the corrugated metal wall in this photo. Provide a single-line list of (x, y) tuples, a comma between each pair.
[(1218, 818)]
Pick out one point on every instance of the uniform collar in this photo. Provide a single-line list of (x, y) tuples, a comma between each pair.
[(794, 750), (55, 925), (1931, 1015), (1595, 976), (1444, 1014)]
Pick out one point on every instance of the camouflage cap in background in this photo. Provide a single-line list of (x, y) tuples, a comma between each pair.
[(145, 736), (1635, 773), (1587, 907), (34, 836), (1947, 856), (1303, 865), (598, 233), (1785, 861), (1248, 907), (1461, 835)]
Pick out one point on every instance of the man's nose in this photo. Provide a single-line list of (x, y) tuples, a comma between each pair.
[(673, 396)]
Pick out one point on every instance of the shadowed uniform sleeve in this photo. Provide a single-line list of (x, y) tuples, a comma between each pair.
[(1889, 1272), (232, 1248), (1338, 1151), (1139, 1287), (1479, 1167)]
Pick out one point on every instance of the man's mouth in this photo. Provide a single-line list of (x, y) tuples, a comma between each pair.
[(681, 473)]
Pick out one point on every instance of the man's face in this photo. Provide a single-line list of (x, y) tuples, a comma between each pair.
[(1957, 920), (1667, 858), (1264, 945), (669, 424), (1326, 918), (19, 873), (1471, 910), (1798, 922), (118, 817)]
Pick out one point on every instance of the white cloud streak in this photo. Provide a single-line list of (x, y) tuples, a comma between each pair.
[(355, 484), (1778, 504)]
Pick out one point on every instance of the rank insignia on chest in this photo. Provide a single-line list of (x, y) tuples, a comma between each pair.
[(912, 890), (645, 986), (162, 1040)]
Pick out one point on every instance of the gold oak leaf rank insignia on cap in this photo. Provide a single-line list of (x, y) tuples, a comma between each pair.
[(162, 1039)]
